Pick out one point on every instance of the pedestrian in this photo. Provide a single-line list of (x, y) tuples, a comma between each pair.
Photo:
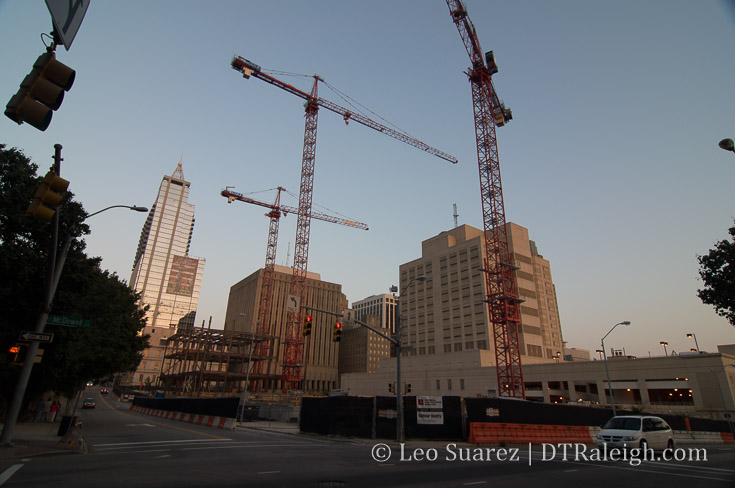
[(53, 411), (38, 411), (46, 410)]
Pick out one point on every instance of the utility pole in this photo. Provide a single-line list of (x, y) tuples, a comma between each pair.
[(52, 280)]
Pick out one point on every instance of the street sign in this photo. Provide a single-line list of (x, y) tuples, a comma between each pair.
[(36, 336), (67, 17), (293, 304), (68, 321)]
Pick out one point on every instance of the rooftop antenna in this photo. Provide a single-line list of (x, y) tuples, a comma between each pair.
[(456, 215)]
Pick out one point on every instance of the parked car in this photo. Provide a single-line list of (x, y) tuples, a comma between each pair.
[(89, 403), (636, 431)]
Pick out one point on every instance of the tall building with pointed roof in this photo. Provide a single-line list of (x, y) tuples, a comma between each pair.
[(164, 274)]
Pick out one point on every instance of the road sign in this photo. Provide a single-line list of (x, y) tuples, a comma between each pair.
[(68, 321), (67, 17), (293, 304), (36, 336)]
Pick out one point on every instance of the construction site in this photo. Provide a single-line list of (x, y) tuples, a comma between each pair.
[(200, 361)]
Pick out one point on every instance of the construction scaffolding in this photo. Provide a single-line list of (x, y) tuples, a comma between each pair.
[(199, 361)]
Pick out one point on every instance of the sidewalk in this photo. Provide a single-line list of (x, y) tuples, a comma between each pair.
[(36, 439)]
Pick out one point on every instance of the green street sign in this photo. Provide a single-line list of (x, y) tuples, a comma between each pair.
[(68, 322)]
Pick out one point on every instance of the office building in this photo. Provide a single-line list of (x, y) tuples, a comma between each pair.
[(361, 349), (445, 313), (320, 373), (382, 306), (164, 274)]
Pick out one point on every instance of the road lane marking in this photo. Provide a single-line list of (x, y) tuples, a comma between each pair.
[(173, 426), (5, 476), (179, 441), (267, 472), (475, 483)]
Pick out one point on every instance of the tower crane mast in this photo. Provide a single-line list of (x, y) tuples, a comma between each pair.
[(262, 326), (502, 299), (293, 352)]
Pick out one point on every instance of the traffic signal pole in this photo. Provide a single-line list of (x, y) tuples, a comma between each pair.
[(52, 281)]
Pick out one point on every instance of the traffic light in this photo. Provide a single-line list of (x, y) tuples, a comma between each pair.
[(337, 332), (47, 197), (307, 325), (16, 353), (41, 92)]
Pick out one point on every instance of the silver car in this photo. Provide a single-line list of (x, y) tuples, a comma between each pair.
[(636, 431)]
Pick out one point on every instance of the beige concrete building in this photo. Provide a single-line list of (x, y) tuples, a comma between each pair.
[(320, 372), (446, 313), (687, 383), (167, 278), (361, 349)]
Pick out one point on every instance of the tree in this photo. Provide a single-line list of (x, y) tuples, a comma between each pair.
[(113, 343), (717, 270)]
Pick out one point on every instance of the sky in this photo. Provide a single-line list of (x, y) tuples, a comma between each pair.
[(611, 159)]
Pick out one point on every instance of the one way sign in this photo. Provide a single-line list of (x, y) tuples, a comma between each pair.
[(36, 336)]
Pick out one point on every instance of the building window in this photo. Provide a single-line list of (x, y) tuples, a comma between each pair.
[(461, 383), (438, 385), (449, 384)]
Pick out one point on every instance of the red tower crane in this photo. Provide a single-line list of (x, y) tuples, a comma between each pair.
[(502, 298), (294, 345), (266, 291)]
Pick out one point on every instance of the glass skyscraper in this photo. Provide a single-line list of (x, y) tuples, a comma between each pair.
[(167, 278)]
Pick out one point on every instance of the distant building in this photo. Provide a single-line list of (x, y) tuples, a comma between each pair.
[(446, 313), (319, 374), (382, 306), (361, 349), (167, 278), (575, 354)]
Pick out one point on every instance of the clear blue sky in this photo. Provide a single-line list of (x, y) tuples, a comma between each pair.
[(611, 160)]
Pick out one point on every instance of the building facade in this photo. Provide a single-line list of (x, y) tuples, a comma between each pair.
[(167, 278), (361, 350), (321, 354), (445, 313), (382, 306), (684, 384)]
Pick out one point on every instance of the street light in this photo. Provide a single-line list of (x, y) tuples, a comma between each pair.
[(690, 335), (727, 145), (131, 207), (664, 343), (56, 266), (399, 387), (607, 371)]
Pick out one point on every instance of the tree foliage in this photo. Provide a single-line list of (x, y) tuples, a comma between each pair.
[(113, 343), (717, 270)]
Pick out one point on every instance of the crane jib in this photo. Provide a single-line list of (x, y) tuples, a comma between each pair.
[(248, 69)]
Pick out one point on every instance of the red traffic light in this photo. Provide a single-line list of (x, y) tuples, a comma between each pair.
[(338, 325), (14, 349)]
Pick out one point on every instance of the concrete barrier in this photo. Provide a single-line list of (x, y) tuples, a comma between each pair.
[(498, 432), (206, 420)]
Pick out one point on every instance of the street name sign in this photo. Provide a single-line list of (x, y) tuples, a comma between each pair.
[(68, 321)]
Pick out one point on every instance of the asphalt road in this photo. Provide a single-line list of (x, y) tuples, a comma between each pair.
[(135, 450)]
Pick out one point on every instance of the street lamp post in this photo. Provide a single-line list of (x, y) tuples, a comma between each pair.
[(398, 344), (607, 371), (666, 351), (56, 265), (692, 335)]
